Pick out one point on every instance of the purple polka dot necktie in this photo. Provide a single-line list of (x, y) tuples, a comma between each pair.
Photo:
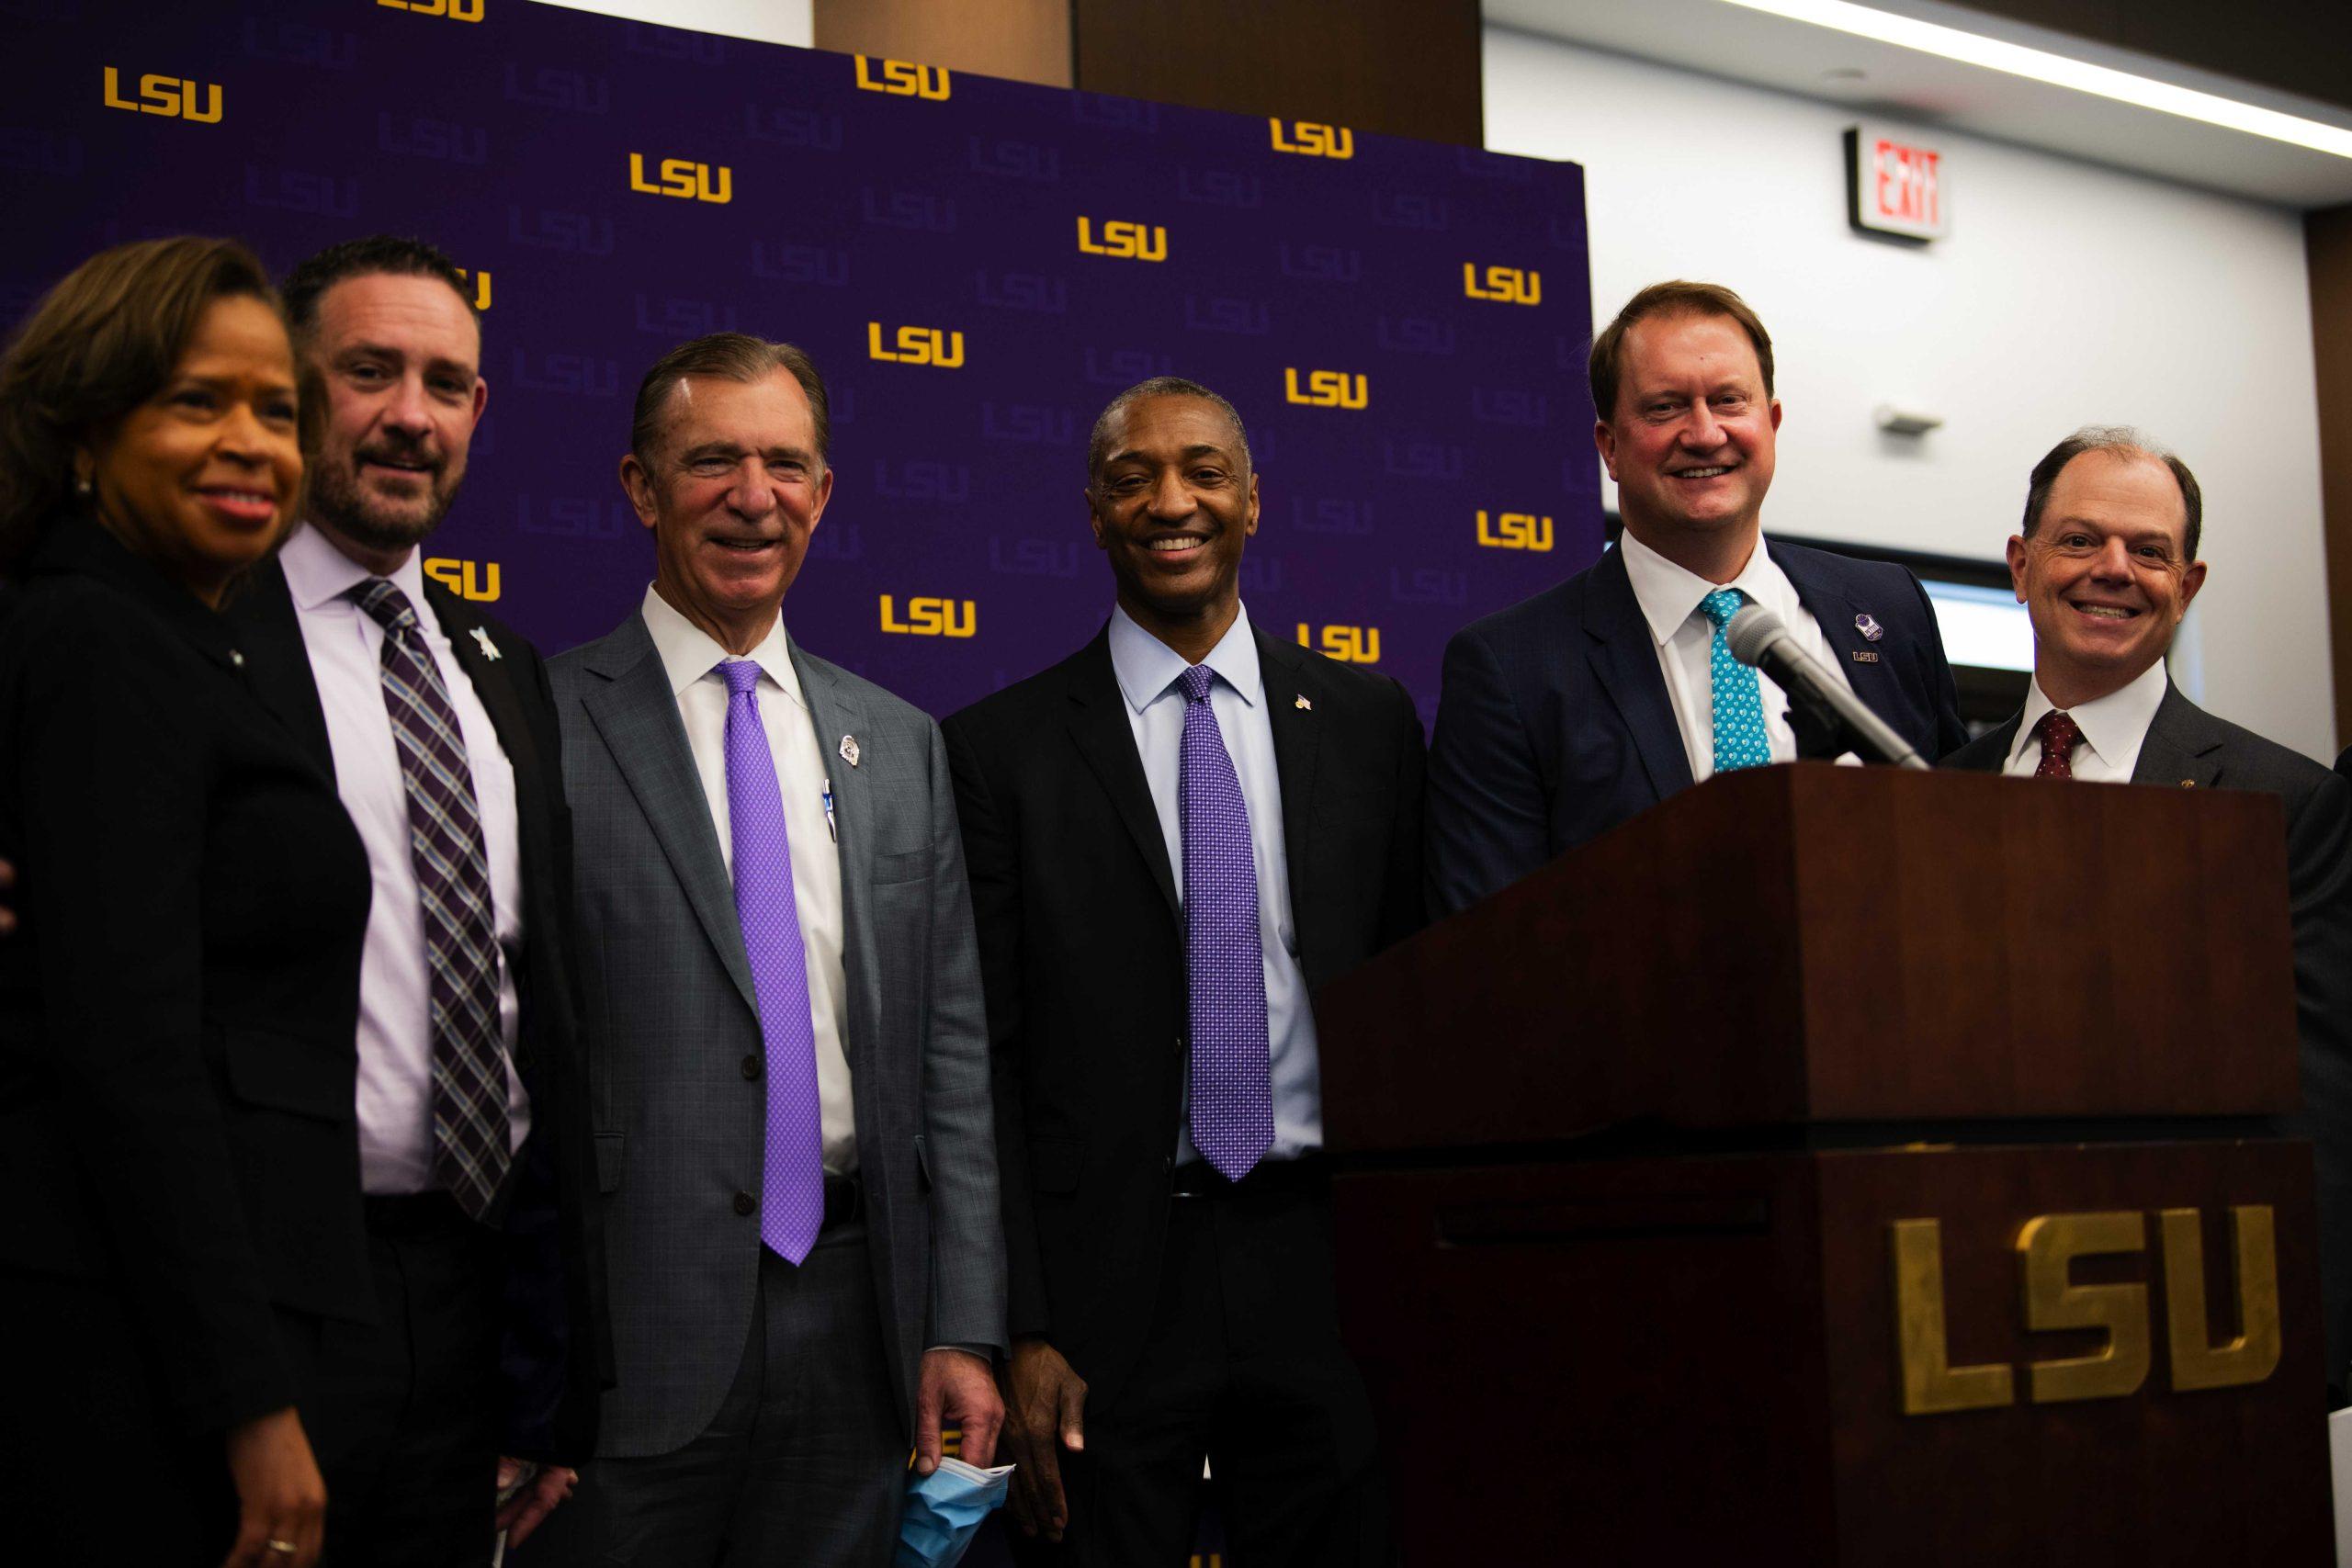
[(792, 1182), (1232, 1090), (2057, 731)]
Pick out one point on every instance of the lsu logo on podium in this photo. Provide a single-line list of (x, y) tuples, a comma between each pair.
[(905, 79), (1506, 285), (474, 580), (1328, 390), (1349, 645), (1515, 531), (1127, 242), (480, 280), (683, 178), (167, 96), (1309, 140), (917, 346), (931, 617), (455, 10)]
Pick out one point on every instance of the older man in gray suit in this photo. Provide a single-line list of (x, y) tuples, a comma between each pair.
[(788, 1058)]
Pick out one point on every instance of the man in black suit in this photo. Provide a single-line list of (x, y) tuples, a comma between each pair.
[(1173, 835), (438, 724), (1591, 701), (2106, 565)]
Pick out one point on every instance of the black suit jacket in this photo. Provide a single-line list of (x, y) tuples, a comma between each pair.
[(178, 1008), (2186, 746), (1082, 953), (1553, 724), (558, 1344)]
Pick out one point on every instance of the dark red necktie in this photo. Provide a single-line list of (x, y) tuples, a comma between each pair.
[(2057, 732)]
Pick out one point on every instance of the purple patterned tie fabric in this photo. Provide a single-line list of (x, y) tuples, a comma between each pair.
[(1232, 1089), (470, 1144), (792, 1182)]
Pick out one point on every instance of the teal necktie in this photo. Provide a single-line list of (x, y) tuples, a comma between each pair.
[(1738, 710)]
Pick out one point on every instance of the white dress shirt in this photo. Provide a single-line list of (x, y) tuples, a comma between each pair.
[(2114, 727), (691, 659), (345, 647), (1147, 671), (1669, 596)]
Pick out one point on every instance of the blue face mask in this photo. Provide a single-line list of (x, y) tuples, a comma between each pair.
[(944, 1512)]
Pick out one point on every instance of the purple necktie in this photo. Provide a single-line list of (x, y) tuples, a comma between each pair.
[(1232, 1091), (792, 1183)]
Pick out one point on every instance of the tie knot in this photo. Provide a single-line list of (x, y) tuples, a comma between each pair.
[(2057, 731), (741, 674), (383, 599), (1196, 682), (1722, 605)]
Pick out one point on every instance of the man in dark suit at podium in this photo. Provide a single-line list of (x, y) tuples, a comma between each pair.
[(1593, 700), (1173, 835), (2106, 565)]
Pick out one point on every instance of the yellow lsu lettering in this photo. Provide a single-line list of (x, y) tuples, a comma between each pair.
[(455, 10), (1509, 285), (1515, 531), (1349, 645), (905, 79), (932, 617), (1328, 390), (1310, 140), (480, 281), (917, 346), (1126, 240), (2046, 1248), (683, 178), (472, 579), (167, 96)]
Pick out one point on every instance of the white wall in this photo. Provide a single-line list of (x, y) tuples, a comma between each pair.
[(2066, 294), (769, 21)]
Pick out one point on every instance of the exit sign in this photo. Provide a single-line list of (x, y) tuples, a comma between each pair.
[(1895, 185)]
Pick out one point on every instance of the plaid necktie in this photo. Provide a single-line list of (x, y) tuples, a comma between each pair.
[(471, 1150), (2057, 731), (1232, 1090)]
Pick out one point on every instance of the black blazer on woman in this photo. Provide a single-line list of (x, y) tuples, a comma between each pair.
[(177, 1007)]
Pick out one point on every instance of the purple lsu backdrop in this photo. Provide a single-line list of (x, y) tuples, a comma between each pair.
[(976, 266)]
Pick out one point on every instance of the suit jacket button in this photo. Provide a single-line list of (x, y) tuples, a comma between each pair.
[(751, 1068), (745, 1203)]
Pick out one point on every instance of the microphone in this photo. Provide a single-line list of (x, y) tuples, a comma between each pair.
[(1758, 638)]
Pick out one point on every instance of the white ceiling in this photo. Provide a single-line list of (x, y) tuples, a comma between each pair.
[(1883, 79)]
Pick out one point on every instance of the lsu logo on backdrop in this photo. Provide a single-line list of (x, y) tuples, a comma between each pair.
[(1126, 242), (480, 280), (1515, 531), (1308, 139), (1349, 645), (931, 617), (455, 10), (683, 178), (549, 87), (917, 346), (167, 95), (1507, 285), (472, 579), (904, 79), (1328, 390)]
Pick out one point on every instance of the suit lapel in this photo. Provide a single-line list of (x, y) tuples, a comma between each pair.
[(1099, 729), (637, 715), (492, 684), (2181, 746), (1287, 675), (278, 662), (839, 716), (1839, 616), (1624, 659)]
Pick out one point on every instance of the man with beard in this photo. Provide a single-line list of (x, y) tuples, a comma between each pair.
[(436, 724)]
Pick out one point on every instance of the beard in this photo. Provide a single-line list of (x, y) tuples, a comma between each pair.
[(338, 500)]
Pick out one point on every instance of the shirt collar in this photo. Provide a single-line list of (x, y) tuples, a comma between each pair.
[(1670, 595), (1146, 667), (2113, 725), (317, 573), (689, 653)]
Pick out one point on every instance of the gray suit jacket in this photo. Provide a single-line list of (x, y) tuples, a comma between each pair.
[(669, 1020)]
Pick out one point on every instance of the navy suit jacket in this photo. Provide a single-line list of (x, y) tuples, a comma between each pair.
[(1555, 724)]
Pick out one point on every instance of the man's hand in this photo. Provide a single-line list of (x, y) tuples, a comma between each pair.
[(956, 1391), (1045, 1412), (534, 1500), (7, 912), (281, 1499)]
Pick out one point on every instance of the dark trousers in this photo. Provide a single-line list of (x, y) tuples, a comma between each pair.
[(804, 1465), (1243, 1367), (403, 1414)]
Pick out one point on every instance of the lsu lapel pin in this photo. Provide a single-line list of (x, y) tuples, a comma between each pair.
[(849, 750), (1303, 704), (1869, 626), (489, 648), (1865, 656)]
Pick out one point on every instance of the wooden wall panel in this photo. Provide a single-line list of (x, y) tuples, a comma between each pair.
[(2328, 236), (1024, 40)]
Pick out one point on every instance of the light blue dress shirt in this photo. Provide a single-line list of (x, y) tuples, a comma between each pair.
[(1148, 670)]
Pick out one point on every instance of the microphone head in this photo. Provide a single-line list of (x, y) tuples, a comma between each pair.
[(1751, 631)]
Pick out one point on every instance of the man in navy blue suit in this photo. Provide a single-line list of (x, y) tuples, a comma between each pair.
[(1566, 715)]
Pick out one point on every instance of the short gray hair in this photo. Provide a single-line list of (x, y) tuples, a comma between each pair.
[(2116, 441), (1098, 446), (734, 357)]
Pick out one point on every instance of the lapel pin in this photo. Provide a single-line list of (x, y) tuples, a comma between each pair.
[(2188, 784), (489, 648), (1868, 625), (1303, 703), (849, 750), (1865, 656)]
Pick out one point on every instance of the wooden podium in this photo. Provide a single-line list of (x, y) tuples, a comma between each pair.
[(1844, 1166)]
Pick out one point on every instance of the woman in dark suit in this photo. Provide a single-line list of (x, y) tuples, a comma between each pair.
[(179, 1193)]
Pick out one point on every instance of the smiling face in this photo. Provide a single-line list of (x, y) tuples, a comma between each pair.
[(1172, 505), (2106, 576), (202, 478), (732, 492), (399, 357), (1689, 442)]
